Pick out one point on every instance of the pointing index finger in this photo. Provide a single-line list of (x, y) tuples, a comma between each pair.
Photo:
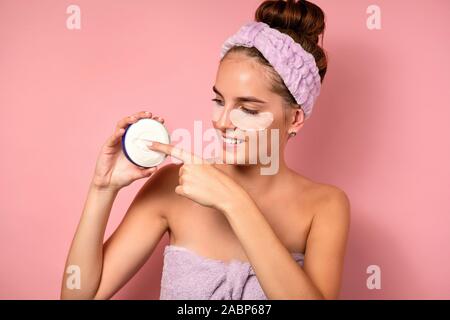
[(178, 153)]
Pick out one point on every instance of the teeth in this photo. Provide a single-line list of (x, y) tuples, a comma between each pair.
[(232, 140)]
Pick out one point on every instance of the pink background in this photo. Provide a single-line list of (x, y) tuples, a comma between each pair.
[(380, 130)]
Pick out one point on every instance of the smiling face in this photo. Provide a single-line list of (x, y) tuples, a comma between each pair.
[(245, 108)]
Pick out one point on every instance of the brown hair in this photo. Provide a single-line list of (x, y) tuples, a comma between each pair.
[(304, 22)]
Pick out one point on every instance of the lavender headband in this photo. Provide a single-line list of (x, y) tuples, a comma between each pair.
[(295, 65)]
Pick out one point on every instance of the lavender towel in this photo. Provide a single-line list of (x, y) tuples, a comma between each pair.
[(188, 275)]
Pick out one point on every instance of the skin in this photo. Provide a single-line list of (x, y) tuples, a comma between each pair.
[(239, 208)]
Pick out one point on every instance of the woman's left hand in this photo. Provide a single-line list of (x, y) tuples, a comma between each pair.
[(200, 181)]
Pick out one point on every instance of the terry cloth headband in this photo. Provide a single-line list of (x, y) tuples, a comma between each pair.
[(295, 65)]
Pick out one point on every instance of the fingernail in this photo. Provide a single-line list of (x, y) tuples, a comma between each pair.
[(149, 144)]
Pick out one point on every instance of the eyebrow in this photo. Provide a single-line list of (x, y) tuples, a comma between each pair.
[(241, 99)]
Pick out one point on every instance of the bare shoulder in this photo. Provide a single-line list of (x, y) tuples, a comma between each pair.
[(325, 200), (332, 204), (159, 189)]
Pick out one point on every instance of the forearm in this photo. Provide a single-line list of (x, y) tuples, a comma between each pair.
[(279, 274), (86, 251)]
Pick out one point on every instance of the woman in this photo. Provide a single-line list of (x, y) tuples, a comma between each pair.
[(234, 233)]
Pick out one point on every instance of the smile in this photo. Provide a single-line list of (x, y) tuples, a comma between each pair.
[(231, 141)]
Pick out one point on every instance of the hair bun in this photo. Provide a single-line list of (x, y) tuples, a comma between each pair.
[(302, 20), (302, 17)]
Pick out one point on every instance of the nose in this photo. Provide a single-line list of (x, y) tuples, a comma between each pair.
[(221, 118)]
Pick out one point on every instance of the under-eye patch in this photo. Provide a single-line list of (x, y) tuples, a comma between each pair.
[(250, 122)]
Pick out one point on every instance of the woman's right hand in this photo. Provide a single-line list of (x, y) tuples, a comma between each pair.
[(113, 170)]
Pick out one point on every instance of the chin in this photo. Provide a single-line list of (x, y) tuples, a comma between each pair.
[(236, 157)]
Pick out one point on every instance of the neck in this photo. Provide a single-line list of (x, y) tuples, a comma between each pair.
[(251, 179)]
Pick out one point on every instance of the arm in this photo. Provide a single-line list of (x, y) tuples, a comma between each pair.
[(135, 239), (105, 268), (279, 275)]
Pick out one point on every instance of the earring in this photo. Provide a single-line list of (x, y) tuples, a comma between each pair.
[(293, 134)]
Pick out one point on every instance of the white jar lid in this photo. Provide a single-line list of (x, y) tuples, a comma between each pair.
[(136, 137)]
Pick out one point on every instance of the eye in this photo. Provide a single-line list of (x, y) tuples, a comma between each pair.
[(217, 101), (249, 111)]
